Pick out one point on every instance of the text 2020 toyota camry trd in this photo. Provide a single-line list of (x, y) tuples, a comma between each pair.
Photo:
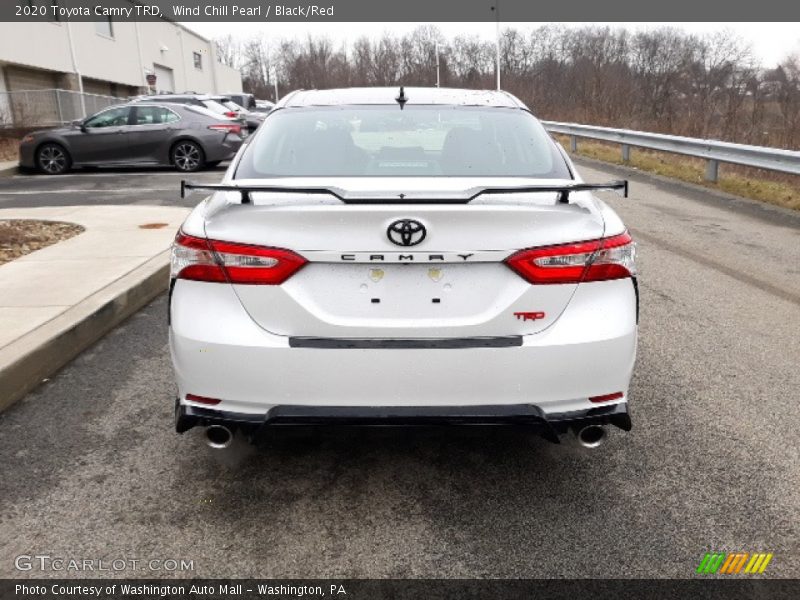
[(401, 256)]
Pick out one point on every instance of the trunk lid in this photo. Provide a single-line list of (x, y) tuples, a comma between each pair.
[(359, 284)]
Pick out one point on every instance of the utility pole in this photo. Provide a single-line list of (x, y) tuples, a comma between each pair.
[(496, 9), (273, 72), (76, 70)]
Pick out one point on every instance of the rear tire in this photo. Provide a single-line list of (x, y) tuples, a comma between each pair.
[(187, 156), (53, 159)]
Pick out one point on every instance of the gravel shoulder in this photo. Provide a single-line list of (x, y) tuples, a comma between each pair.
[(19, 237)]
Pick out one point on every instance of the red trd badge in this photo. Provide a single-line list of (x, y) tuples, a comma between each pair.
[(529, 316)]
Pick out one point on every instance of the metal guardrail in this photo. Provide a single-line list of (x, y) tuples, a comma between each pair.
[(27, 108), (715, 152)]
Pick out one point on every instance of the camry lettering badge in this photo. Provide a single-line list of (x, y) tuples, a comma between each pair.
[(406, 232), (376, 274), (435, 274)]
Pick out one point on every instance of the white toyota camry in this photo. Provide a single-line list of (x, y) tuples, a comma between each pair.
[(403, 256)]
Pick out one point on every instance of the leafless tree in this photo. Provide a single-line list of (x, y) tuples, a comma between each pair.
[(658, 80)]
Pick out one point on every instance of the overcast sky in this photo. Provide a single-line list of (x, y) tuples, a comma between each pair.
[(770, 42)]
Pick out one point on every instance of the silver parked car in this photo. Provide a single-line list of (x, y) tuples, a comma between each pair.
[(185, 137)]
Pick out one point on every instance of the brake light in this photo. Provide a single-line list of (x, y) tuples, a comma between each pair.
[(229, 127), (595, 260), (198, 259), (231, 114)]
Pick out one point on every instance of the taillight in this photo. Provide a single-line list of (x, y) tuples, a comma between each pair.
[(595, 260), (229, 127), (199, 259), (231, 114)]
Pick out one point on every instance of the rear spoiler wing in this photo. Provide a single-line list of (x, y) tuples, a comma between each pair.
[(563, 191)]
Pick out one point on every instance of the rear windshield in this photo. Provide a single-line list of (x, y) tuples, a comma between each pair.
[(375, 141), (202, 110), (216, 107), (230, 104)]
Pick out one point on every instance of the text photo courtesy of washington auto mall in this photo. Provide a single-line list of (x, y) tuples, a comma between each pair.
[(383, 300)]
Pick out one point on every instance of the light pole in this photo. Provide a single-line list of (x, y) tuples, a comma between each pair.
[(436, 46)]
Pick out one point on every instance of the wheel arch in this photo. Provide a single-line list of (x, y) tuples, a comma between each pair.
[(55, 141)]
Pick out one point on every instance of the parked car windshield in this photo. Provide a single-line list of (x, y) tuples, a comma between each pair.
[(375, 141)]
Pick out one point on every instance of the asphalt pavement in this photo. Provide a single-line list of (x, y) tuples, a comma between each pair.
[(161, 186), (91, 468)]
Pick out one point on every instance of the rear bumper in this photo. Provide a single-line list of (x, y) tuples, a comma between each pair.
[(550, 426), (219, 352), (224, 150)]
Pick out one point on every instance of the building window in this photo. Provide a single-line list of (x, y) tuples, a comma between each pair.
[(198, 60), (104, 28)]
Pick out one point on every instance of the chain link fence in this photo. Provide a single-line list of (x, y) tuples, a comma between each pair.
[(33, 108)]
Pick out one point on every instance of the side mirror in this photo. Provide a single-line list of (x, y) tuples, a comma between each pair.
[(79, 123)]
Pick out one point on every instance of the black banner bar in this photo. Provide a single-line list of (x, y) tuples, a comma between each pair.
[(385, 11), (712, 588)]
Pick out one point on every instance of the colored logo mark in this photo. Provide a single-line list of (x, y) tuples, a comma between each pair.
[(732, 563)]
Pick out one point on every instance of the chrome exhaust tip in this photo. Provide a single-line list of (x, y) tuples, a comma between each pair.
[(591, 436), (218, 437)]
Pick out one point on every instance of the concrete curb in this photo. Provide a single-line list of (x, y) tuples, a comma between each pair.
[(8, 171), (37, 355)]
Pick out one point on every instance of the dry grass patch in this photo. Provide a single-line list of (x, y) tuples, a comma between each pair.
[(19, 237), (9, 149), (767, 186)]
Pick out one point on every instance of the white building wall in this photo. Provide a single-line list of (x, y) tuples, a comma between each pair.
[(120, 59), (40, 45), (5, 105), (229, 80), (107, 58)]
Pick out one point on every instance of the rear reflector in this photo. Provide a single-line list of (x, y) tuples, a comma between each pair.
[(199, 259), (606, 398), (202, 399), (595, 260)]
